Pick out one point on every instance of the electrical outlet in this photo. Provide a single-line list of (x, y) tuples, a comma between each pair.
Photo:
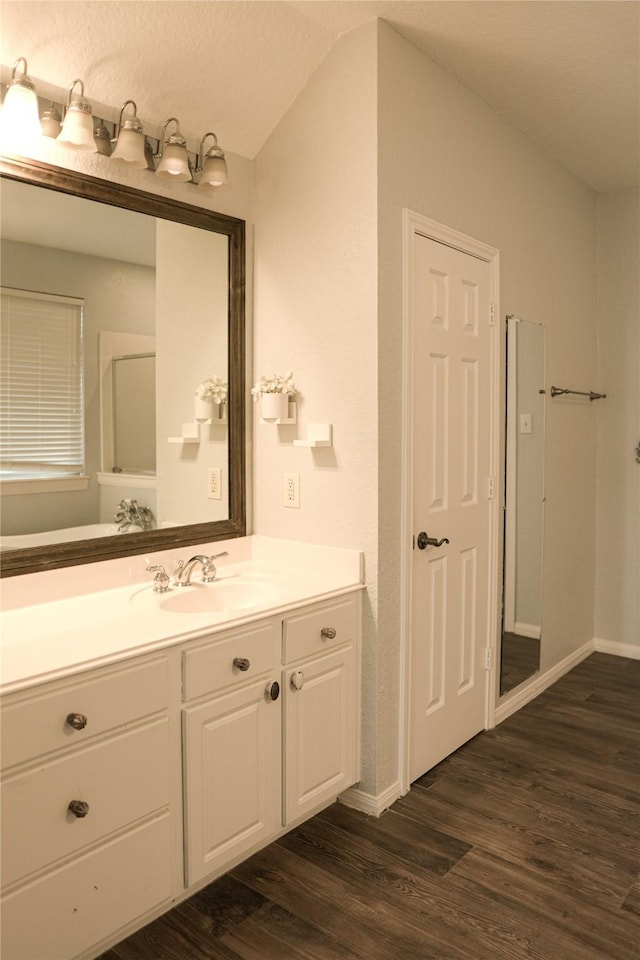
[(291, 490), (214, 483)]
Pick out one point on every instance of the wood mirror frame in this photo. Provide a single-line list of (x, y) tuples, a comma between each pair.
[(36, 559)]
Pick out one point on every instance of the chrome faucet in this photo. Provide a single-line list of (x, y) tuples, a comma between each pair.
[(182, 573)]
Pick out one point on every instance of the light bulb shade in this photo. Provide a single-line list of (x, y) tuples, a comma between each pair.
[(214, 172), (174, 163), (77, 128), (51, 122), (130, 148), (19, 120)]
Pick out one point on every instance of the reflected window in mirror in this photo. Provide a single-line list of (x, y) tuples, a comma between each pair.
[(163, 289), (41, 390), (524, 513)]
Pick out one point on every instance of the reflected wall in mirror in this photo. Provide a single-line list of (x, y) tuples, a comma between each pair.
[(160, 284), (524, 514)]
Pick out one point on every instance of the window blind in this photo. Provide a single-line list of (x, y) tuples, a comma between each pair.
[(41, 388)]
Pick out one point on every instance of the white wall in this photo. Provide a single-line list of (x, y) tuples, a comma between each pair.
[(443, 152), (446, 154), (316, 310), (118, 296), (191, 345), (617, 583)]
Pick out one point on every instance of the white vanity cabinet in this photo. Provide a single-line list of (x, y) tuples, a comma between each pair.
[(231, 747), (86, 809), (321, 706), (272, 739), (128, 787)]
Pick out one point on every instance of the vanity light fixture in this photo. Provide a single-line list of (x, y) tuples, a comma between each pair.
[(19, 121), (77, 129), (130, 139), (77, 126), (212, 168), (172, 154), (51, 122)]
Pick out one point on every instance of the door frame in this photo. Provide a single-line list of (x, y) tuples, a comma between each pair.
[(415, 224)]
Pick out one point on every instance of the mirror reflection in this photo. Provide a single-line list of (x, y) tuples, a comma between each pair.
[(524, 513), (111, 318)]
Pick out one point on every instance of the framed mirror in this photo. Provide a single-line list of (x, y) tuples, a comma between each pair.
[(161, 290), (524, 511)]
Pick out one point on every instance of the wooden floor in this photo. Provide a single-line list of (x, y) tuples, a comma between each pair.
[(523, 844)]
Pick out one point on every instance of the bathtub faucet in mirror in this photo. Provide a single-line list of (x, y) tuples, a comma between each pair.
[(129, 513)]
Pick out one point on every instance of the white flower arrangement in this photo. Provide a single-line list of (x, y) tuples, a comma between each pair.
[(214, 390), (274, 384)]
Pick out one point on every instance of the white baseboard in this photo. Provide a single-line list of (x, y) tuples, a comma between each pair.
[(373, 805), (529, 630), (630, 650), (511, 704)]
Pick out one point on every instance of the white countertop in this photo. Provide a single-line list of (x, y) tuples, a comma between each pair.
[(58, 623)]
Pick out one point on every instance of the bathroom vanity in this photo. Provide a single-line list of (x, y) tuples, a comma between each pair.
[(151, 741)]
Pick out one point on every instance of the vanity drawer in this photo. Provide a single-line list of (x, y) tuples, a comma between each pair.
[(209, 668), (122, 780), (36, 724), (303, 633), (69, 910)]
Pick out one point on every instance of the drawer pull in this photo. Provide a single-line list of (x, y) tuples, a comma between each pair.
[(77, 720), (272, 690), (329, 633), (79, 808), (241, 663), (297, 680)]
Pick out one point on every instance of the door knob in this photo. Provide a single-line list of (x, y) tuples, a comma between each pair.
[(79, 808), (241, 663), (424, 540), (272, 690)]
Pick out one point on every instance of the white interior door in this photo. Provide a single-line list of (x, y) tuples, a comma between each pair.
[(451, 436)]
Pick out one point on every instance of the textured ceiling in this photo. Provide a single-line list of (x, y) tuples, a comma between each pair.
[(566, 72)]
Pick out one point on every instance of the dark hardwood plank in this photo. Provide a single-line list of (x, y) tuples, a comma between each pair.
[(414, 844), (523, 845), (274, 933), (632, 900), (576, 929), (359, 915)]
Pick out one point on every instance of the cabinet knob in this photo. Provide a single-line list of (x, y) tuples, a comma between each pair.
[(77, 720), (328, 633), (79, 808), (272, 690), (241, 663), (297, 680)]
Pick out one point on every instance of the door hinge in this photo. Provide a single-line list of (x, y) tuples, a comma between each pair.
[(488, 658), (491, 488), (492, 314)]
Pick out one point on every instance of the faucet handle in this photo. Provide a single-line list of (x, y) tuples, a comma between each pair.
[(209, 571), (161, 580)]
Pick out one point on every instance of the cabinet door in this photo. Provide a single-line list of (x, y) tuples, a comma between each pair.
[(320, 732), (233, 777)]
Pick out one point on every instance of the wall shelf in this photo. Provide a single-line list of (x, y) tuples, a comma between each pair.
[(190, 433), (191, 430), (318, 435)]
